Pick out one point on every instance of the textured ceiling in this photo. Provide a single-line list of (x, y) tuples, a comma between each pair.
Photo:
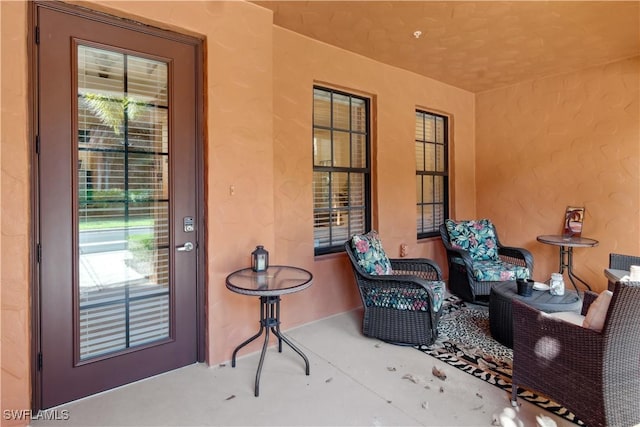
[(477, 45)]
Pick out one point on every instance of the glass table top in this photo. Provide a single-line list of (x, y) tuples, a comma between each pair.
[(276, 280), (560, 240)]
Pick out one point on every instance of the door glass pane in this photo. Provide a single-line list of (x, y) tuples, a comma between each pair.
[(123, 202)]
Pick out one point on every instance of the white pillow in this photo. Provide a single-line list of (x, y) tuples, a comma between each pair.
[(598, 311)]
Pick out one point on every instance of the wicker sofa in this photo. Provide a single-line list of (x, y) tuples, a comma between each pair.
[(596, 375), (400, 307)]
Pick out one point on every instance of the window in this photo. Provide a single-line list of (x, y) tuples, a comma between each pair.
[(341, 174), (432, 172)]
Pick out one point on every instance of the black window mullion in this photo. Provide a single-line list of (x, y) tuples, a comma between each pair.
[(331, 123), (422, 141), (127, 304), (367, 175), (349, 199)]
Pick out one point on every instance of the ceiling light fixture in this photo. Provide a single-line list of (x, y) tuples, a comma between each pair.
[(417, 34)]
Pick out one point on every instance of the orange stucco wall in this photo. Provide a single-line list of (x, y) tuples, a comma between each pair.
[(301, 62), (567, 140), (14, 203)]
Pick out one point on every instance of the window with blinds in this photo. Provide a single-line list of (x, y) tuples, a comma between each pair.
[(123, 292), (341, 170), (432, 172)]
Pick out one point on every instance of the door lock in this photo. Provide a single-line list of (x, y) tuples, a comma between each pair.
[(187, 247), (187, 224)]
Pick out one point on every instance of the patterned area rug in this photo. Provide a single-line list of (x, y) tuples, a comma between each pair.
[(465, 343)]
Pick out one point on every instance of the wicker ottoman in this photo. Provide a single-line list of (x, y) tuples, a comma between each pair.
[(500, 318)]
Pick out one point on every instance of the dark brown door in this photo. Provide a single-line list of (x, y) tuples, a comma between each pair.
[(117, 203)]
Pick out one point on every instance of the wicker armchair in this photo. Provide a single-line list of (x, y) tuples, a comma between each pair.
[(462, 279), (593, 374), (398, 307)]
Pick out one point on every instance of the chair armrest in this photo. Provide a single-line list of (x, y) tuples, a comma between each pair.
[(542, 343), (421, 267), (458, 253), (588, 298), (392, 281), (409, 280), (517, 256), (395, 281)]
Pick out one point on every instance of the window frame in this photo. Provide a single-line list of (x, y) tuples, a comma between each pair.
[(364, 171), (444, 173)]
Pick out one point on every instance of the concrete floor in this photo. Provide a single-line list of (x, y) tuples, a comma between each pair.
[(354, 381)]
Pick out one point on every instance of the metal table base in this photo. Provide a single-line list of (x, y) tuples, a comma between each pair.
[(566, 245), (269, 321), (566, 261)]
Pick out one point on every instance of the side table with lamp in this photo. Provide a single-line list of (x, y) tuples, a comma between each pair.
[(268, 283)]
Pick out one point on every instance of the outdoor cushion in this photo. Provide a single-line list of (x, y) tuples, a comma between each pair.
[(597, 312), (404, 298), (568, 316), (369, 253), (476, 237), (495, 271)]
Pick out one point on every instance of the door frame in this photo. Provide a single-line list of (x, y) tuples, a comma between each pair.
[(129, 24)]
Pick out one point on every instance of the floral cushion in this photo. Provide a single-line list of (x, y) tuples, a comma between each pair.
[(406, 299), (370, 254), (476, 237), (496, 271)]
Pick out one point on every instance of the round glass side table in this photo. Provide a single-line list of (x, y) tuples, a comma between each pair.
[(269, 285)]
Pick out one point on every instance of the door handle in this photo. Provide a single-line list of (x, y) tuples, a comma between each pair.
[(187, 247)]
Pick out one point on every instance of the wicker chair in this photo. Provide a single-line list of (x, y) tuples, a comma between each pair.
[(462, 280), (621, 262), (410, 281), (593, 374)]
